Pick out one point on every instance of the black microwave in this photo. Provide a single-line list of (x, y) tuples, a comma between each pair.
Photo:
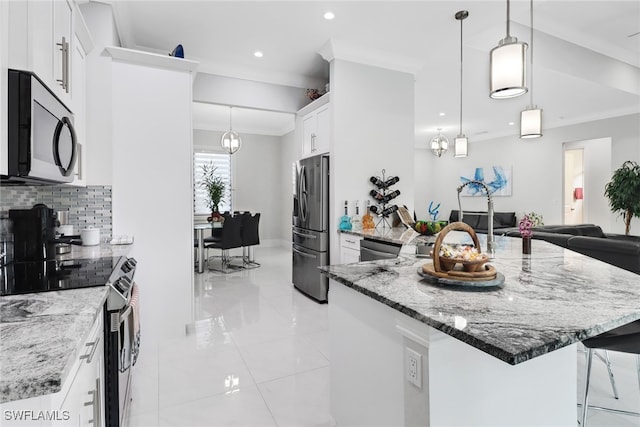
[(42, 146)]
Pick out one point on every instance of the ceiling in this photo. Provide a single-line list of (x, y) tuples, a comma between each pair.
[(586, 54)]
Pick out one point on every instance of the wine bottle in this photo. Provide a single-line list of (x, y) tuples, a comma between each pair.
[(376, 181), (389, 182), (356, 223), (376, 195), (390, 196), (374, 209), (388, 211)]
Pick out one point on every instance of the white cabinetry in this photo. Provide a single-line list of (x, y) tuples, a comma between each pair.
[(40, 40), (349, 248), (316, 130), (83, 396)]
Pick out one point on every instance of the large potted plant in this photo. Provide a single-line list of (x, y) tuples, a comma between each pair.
[(214, 186), (623, 192)]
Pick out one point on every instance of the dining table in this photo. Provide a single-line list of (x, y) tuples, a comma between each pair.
[(200, 229)]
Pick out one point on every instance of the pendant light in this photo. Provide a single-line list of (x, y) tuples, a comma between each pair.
[(230, 140), (531, 117), (439, 144), (460, 144), (508, 67)]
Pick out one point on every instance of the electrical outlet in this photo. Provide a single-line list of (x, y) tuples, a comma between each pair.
[(414, 367)]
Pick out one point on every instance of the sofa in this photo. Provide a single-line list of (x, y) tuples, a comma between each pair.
[(589, 239), (478, 220)]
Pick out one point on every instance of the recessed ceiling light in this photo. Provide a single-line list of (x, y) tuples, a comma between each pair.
[(257, 54), (329, 16), (511, 123), (442, 114)]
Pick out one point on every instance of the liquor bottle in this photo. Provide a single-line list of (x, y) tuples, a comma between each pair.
[(356, 223), (345, 221), (367, 219)]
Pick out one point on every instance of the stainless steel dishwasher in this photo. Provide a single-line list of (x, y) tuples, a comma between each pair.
[(371, 250)]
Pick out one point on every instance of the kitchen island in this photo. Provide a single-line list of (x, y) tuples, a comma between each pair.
[(497, 357)]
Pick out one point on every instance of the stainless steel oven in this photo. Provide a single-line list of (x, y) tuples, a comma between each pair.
[(121, 342)]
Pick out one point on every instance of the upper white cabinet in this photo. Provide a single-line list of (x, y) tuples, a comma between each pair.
[(41, 40), (316, 128)]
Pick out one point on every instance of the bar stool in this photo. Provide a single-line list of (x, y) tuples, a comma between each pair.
[(625, 339)]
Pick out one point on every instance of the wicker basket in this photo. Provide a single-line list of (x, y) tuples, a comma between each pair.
[(444, 264)]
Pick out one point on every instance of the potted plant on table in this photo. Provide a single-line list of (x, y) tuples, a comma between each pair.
[(623, 192), (214, 186)]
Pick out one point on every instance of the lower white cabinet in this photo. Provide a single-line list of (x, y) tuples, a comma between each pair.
[(83, 390), (349, 248)]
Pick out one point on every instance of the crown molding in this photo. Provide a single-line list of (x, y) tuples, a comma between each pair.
[(339, 49)]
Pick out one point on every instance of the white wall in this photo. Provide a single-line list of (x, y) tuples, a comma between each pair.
[(289, 155), (256, 170), (537, 170), (152, 190), (4, 63), (372, 129)]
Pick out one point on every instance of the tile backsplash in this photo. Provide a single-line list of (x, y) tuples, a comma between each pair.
[(88, 206)]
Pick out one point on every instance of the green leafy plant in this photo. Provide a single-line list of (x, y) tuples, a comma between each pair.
[(213, 185), (623, 192)]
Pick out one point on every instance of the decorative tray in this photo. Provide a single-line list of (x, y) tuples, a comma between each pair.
[(475, 285)]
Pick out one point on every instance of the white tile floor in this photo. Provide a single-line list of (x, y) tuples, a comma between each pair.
[(259, 356)]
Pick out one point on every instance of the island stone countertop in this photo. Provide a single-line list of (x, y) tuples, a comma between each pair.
[(41, 333), (399, 235), (550, 299)]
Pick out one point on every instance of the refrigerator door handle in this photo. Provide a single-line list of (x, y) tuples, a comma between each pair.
[(303, 193), (310, 236), (304, 254)]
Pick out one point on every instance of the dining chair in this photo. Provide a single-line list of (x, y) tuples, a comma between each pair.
[(250, 238), (625, 339), (230, 238)]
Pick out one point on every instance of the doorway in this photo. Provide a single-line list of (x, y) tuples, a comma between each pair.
[(587, 169), (573, 186)]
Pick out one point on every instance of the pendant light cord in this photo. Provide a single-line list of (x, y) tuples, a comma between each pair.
[(531, 53), (461, 76), (230, 120), (508, 7)]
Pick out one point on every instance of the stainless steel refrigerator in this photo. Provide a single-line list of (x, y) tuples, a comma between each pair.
[(310, 226)]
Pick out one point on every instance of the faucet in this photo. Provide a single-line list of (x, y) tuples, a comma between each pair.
[(490, 237)]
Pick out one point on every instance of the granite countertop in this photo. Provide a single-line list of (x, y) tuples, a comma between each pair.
[(400, 235), (40, 337), (552, 298), (41, 333)]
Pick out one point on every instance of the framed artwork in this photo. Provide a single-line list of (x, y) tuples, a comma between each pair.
[(497, 178)]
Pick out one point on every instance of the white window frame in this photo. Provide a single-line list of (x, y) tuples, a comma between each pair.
[(223, 162)]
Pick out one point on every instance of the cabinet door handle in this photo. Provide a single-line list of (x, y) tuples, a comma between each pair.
[(349, 241), (95, 403), (94, 346), (64, 48), (313, 142)]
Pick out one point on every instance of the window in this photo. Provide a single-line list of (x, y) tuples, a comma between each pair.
[(222, 162)]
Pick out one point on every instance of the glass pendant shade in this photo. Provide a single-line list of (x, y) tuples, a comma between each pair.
[(531, 123), (439, 145), (508, 71), (231, 141), (460, 146)]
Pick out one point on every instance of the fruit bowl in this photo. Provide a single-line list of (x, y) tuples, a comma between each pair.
[(429, 228)]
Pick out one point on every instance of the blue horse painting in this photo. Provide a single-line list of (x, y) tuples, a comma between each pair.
[(499, 182)]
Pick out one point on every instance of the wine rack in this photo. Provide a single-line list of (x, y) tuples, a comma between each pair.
[(382, 196)]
